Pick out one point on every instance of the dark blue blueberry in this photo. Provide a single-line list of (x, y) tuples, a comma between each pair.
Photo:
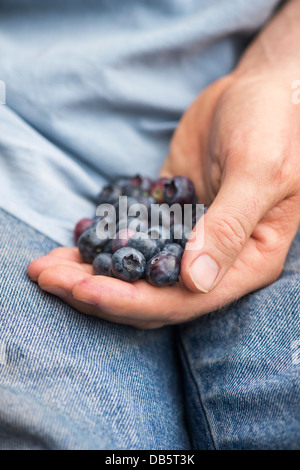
[(110, 272), (109, 194), (132, 191), (90, 245), (138, 209), (121, 180), (180, 234), (179, 190), (121, 239), (105, 228), (174, 248), (122, 209), (101, 264), (107, 247), (128, 264), (147, 201), (162, 215), (145, 245), (144, 183), (132, 223), (163, 269), (161, 234), (95, 221), (106, 220)]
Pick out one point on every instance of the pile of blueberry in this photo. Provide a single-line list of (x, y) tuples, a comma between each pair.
[(133, 247)]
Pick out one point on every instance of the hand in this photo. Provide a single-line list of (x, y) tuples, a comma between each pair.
[(239, 143), (240, 138)]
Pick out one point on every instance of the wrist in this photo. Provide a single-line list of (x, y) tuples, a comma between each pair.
[(275, 54)]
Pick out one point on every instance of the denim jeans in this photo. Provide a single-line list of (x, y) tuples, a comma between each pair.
[(229, 380)]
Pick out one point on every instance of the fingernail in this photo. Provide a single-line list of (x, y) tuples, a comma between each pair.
[(84, 301), (203, 272), (55, 291)]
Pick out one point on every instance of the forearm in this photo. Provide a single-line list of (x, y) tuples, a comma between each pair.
[(276, 50)]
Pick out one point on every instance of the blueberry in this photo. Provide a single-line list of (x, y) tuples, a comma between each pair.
[(105, 230), (132, 191), (110, 272), (144, 183), (109, 194), (174, 248), (145, 245), (132, 223), (180, 190), (180, 234), (101, 263), (107, 246), (147, 201), (134, 215), (162, 215), (104, 223), (140, 211), (81, 226), (96, 220), (135, 249), (122, 208), (128, 264), (157, 190), (121, 180), (161, 234), (90, 245), (121, 239), (163, 269)]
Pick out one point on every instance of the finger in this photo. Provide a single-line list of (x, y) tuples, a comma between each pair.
[(111, 298), (36, 267), (139, 300), (144, 306), (166, 169), (141, 303), (70, 253), (61, 276), (60, 281), (177, 303), (219, 236)]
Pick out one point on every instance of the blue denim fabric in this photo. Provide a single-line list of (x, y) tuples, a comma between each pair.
[(241, 368), (69, 381), (229, 380)]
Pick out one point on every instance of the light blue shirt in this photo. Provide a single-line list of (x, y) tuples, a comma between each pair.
[(95, 88)]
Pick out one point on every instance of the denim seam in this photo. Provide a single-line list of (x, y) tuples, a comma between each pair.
[(198, 390)]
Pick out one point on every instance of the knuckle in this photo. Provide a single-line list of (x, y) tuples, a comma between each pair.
[(280, 179), (282, 174), (230, 234)]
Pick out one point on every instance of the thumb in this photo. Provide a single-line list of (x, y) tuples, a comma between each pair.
[(220, 235)]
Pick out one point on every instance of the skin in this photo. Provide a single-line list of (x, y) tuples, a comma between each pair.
[(240, 144)]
